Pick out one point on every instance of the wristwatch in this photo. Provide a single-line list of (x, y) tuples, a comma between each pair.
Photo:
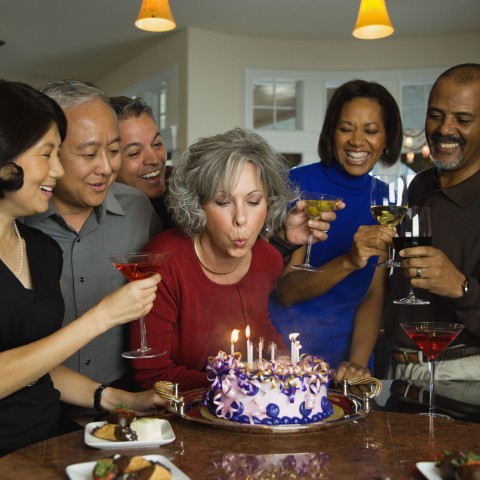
[(465, 285)]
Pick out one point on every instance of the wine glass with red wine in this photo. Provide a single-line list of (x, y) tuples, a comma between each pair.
[(432, 338), (414, 231), (137, 266)]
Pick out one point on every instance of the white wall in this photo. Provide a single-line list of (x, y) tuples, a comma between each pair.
[(212, 68)]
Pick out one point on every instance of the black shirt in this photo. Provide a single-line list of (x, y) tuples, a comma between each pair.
[(30, 414), (455, 217)]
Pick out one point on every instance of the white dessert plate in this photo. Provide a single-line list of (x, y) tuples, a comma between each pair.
[(83, 471), (429, 470), (166, 436)]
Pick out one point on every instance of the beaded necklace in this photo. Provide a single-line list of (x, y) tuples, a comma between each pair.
[(17, 233)]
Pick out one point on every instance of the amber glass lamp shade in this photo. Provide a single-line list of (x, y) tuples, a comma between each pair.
[(155, 16), (373, 21)]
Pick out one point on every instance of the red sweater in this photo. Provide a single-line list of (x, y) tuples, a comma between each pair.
[(193, 317)]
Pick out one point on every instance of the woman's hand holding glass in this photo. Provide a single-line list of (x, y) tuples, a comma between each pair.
[(299, 226), (129, 302)]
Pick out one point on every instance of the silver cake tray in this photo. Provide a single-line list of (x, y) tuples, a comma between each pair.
[(347, 408)]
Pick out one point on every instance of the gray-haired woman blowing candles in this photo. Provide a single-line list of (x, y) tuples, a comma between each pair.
[(230, 189)]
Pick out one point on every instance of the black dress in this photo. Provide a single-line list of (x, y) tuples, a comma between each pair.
[(30, 414)]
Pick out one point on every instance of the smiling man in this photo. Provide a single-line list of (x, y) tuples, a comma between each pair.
[(91, 216), (143, 152), (449, 270)]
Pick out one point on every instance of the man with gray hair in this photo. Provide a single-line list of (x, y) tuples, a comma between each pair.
[(91, 216)]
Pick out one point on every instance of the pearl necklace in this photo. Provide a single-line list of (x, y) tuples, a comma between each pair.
[(213, 271), (17, 233)]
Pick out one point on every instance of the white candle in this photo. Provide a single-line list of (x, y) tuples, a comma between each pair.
[(272, 351), (260, 348), (293, 348), (249, 348), (234, 338), (298, 347)]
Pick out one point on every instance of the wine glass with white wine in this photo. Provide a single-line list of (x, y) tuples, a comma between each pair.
[(388, 204)]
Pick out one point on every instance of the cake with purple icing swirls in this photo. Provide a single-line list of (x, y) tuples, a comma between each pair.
[(270, 393)]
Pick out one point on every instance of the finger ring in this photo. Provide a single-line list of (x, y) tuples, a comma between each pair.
[(418, 273)]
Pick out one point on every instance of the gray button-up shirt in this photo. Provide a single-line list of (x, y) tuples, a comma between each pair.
[(123, 223)]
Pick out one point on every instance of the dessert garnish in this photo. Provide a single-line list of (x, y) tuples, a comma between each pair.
[(457, 465)]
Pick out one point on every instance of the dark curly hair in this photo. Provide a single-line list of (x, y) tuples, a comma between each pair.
[(390, 114), (26, 115)]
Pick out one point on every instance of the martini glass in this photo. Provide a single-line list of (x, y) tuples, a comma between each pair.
[(388, 204), (137, 266), (314, 205), (432, 338)]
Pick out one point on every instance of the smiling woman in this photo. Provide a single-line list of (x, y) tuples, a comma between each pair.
[(338, 310)]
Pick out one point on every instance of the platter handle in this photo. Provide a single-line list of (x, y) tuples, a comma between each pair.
[(375, 389), (169, 391)]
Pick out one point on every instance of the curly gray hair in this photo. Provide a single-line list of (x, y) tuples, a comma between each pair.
[(213, 164)]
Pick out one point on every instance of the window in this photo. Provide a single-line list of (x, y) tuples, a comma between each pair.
[(162, 106), (287, 106), (275, 104), (414, 105)]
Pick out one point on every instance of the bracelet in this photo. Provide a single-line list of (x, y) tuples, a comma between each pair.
[(97, 397)]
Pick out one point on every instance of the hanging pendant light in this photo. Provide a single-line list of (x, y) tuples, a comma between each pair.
[(372, 21), (155, 16)]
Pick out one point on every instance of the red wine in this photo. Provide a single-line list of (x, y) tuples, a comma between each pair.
[(137, 271), (409, 242), (431, 342)]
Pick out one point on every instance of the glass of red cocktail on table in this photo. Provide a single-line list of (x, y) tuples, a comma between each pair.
[(432, 338)]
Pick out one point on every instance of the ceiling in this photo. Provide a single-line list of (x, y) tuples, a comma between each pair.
[(87, 39)]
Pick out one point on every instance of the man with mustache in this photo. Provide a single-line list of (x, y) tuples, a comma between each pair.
[(448, 272)]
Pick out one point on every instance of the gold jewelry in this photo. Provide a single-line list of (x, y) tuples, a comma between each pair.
[(209, 269), (17, 233)]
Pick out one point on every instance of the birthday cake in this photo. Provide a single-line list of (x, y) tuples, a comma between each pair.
[(269, 393)]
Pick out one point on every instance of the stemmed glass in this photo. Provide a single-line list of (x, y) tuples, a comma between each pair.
[(388, 204), (137, 266), (314, 204), (432, 338), (414, 231)]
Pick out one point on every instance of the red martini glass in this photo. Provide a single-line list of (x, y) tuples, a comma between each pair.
[(432, 338), (137, 266)]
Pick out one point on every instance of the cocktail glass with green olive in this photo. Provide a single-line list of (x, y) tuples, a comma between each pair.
[(314, 204)]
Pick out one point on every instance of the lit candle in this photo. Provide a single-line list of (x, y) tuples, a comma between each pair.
[(293, 348), (272, 351), (234, 338), (260, 348), (249, 348)]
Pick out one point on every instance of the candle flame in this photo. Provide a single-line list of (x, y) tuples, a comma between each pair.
[(235, 333), (247, 332), (293, 336)]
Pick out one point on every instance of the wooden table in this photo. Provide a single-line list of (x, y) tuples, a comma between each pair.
[(383, 445)]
